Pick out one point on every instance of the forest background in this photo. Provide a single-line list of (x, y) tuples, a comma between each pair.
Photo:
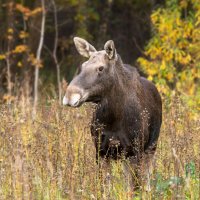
[(37, 61), (160, 38)]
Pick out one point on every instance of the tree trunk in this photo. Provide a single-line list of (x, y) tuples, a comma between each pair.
[(38, 57), (55, 51)]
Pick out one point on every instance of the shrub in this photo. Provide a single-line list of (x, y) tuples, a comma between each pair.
[(172, 57)]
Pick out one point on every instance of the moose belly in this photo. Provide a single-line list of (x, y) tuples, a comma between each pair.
[(113, 145)]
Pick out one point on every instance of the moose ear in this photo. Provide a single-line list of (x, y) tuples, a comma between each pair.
[(110, 49), (83, 47)]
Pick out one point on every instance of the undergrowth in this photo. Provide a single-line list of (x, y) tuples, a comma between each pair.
[(53, 157)]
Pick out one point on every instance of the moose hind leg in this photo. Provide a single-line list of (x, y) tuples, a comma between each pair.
[(151, 145), (147, 170), (131, 168)]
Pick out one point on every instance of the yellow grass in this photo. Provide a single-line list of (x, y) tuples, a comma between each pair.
[(53, 157)]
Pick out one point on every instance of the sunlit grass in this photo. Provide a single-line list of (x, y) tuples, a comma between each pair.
[(54, 156)]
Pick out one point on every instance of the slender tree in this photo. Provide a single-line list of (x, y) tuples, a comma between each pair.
[(55, 51), (38, 57), (10, 29)]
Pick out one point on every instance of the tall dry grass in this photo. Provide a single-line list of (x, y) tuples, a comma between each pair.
[(53, 157)]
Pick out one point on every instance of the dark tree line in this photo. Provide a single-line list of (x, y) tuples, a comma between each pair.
[(126, 22)]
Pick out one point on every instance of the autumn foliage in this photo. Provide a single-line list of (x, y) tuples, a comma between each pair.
[(52, 155), (172, 58)]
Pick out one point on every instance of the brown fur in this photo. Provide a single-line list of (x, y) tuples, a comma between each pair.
[(128, 115)]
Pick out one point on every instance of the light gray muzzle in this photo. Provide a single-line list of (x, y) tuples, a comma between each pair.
[(74, 96)]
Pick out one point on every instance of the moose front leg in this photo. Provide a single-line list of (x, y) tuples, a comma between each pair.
[(104, 177), (104, 166)]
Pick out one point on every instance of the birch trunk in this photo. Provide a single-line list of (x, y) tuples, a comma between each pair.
[(38, 57)]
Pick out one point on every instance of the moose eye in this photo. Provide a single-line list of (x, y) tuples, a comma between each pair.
[(101, 68)]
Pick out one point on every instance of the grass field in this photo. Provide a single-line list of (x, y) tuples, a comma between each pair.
[(53, 157)]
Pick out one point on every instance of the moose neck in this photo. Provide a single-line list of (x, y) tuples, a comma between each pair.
[(116, 98)]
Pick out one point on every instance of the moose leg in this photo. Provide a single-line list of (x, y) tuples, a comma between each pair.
[(105, 168), (147, 170), (104, 177), (148, 158), (132, 173)]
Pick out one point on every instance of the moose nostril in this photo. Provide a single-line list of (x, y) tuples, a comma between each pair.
[(74, 99), (101, 68)]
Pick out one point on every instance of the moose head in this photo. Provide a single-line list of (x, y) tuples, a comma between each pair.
[(96, 76)]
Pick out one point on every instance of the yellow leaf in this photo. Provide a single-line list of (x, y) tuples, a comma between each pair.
[(23, 34), (183, 76), (34, 61), (20, 49), (22, 9), (163, 65), (36, 11), (191, 89), (2, 56), (169, 76), (184, 3), (152, 71), (154, 17), (150, 78), (8, 97), (19, 64), (185, 60), (10, 31)]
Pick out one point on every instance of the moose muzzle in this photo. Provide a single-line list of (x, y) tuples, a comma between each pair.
[(74, 96)]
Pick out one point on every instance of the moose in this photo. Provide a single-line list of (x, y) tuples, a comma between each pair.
[(128, 116)]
